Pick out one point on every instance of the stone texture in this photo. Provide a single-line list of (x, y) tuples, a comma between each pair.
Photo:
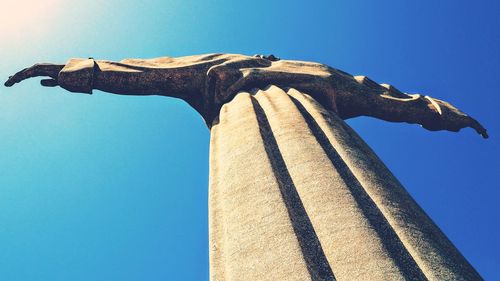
[(367, 227), (208, 81), (295, 194)]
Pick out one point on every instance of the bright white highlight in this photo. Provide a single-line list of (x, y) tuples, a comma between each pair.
[(24, 18)]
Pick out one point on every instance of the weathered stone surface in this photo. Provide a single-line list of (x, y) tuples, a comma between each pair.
[(251, 235), (327, 191), (295, 194), (207, 82)]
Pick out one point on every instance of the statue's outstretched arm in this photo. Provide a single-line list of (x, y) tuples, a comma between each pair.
[(382, 101), (182, 77), (187, 78), (160, 76)]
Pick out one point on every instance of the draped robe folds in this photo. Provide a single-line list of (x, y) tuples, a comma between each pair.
[(294, 192)]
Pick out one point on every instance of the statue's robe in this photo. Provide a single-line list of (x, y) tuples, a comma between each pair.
[(294, 192)]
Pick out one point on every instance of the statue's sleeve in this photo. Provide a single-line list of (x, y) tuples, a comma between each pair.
[(77, 76), (385, 102), (175, 77)]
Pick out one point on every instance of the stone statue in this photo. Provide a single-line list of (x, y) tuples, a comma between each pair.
[(206, 82), (294, 194)]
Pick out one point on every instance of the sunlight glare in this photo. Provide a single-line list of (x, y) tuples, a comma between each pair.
[(23, 18)]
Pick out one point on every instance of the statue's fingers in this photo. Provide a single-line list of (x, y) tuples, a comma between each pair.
[(43, 69), (21, 75), (16, 78), (9, 82), (482, 132), (478, 127), (49, 82)]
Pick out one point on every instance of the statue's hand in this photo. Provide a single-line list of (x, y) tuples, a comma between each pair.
[(452, 119), (385, 102), (42, 69)]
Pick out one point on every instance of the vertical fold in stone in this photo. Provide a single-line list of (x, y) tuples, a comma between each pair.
[(295, 194), (434, 254), (312, 252), (356, 238), (251, 234)]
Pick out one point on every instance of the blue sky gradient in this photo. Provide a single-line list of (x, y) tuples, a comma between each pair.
[(109, 187)]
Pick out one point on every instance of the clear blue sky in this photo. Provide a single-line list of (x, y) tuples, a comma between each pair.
[(108, 187)]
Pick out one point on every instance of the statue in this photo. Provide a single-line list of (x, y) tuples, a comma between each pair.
[(216, 78), (294, 194)]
